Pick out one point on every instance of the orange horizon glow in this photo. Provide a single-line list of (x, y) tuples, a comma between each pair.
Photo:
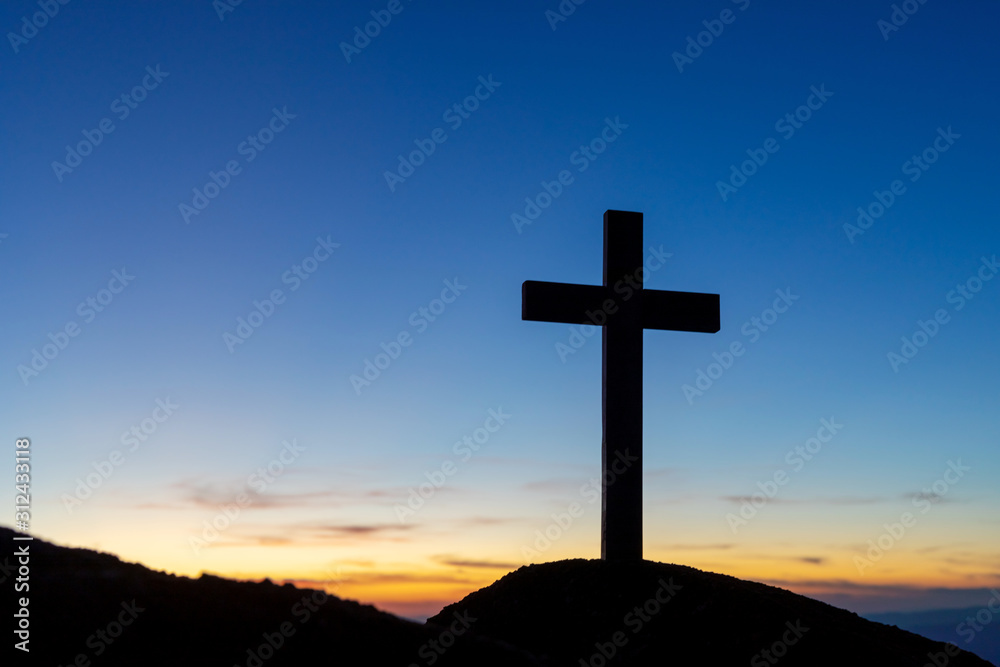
[(416, 590)]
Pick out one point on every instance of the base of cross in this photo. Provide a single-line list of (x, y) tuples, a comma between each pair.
[(623, 309)]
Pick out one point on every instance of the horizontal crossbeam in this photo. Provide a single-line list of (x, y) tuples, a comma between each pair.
[(661, 309), (560, 302), (680, 311)]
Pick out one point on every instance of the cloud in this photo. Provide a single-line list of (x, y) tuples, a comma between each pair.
[(252, 541), (661, 472), (271, 541), (928, 496), (928, 550), (840, 500), (487, 520), (409, 578), (269, 535), (209, 495), (811, 560), (319, 583), (362, 529), (554, 485), (455, 561), (876, 598), (835, 500)]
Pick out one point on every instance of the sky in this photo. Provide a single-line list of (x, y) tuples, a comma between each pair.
[(262, 266)]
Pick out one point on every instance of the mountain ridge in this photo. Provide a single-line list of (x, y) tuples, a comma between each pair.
[(89, 607)]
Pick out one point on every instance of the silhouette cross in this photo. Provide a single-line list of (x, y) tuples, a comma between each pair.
[(623, 309)]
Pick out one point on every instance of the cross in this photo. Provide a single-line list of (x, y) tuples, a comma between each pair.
[(623, 309)]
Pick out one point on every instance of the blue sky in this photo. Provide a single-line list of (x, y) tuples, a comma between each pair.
[(887, 97)]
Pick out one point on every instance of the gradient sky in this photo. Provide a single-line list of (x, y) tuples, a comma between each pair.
[(331, 514)]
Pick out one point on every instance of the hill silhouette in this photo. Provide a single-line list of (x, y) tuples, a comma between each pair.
[(91, 604), (77, 596), (593, 612)]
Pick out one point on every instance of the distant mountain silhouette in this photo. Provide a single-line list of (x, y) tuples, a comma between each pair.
[(565, 613), (568, 613), (952, 625)]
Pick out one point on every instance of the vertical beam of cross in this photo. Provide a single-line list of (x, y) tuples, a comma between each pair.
[(621, 371), (624, 309)]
